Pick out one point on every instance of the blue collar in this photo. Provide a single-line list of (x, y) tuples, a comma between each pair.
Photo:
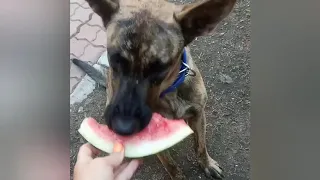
[(184, 70)]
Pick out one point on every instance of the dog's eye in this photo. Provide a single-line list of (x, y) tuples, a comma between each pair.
[(115, 58), (157, 78), (156, 72), (117, 62)]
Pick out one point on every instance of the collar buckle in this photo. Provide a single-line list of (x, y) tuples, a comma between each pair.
[(183, 73), (190, 72)]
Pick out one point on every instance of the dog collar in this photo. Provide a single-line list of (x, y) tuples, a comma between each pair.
[(184, 71)]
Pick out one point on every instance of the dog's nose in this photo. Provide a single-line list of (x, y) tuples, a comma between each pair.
[(124, 125), (127, 120)]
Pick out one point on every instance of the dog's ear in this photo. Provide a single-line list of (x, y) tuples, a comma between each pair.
[(201, 18), (104, 8)]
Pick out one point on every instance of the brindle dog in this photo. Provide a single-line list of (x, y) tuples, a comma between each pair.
[(146, 40)]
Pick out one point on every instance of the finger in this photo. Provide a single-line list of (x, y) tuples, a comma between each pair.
[(114, 159), (120, 168), (128, 171), (86, 153)]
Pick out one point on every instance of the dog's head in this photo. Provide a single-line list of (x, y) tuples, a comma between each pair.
[(145, 42)]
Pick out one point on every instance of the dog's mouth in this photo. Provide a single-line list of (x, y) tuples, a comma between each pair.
[(128, 116)]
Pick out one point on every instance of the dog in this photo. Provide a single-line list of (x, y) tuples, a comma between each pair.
[(151, 68)]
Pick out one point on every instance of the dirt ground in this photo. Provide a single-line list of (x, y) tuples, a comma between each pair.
[(224, 60)]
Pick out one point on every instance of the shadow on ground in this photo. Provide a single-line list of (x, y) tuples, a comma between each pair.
[(224, 61)]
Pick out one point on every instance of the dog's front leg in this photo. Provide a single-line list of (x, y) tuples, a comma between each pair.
[(170, 165), (210, 166)]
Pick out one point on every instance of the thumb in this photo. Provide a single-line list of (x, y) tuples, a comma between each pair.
[(115, 159), (86, 153)]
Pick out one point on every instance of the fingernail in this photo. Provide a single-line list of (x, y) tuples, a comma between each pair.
[(118, 147)]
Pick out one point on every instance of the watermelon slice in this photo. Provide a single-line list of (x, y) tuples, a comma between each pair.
[(160, 134)]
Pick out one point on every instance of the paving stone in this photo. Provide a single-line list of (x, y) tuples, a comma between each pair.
[(73, 8), (74, 26), (92, 54), (77, 47), (77, 1), (85, 5), (96, 21), (81, 14), (101, 39), (88, 32)]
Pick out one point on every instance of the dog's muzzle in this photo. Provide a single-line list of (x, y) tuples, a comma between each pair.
[(128, 112)]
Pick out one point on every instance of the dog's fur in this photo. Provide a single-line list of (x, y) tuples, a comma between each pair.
[(145, 40)]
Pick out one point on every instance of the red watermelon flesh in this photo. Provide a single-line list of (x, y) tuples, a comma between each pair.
[(160, 134)]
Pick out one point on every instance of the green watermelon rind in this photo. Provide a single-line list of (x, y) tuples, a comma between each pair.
[(144, 148)]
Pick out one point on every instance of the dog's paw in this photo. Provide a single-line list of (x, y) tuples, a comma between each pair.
[(213, 170)]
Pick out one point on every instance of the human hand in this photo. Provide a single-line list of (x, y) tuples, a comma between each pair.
[(91, 167)]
